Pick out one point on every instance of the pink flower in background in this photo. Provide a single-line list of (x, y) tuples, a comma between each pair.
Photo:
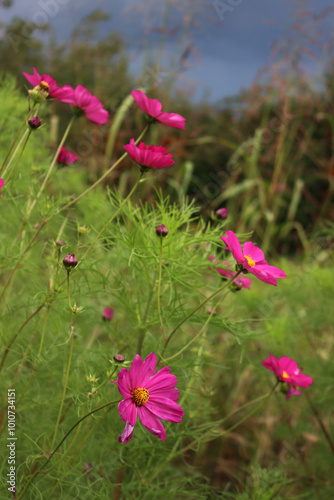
[(47, 84), (287, 371), (149, 156), (65, 157), (239, 282), (152, 107), (1, 185), (108, 314), (151, 397), (251, 258), (84, 102), (222, 213)]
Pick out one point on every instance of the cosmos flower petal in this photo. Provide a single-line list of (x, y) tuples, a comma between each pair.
[(253, 251), (124, 382), (128, 411), (154, 157), (151, 107), (173, 120), (165, 409), (141, 371), (127, 433), (151, 423), (233, 244)]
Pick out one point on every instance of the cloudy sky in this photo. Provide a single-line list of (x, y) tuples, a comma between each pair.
[(226, 41)]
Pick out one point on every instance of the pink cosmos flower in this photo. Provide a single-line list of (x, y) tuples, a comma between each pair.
[(85, 103), (152, 107), (239, 282), (1, 185), (47, 84), (251, 258), (108, 314), (287, 371), (149, 156), (65, 157), (151, 397)]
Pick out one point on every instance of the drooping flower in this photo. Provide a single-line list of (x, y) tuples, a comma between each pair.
[(222, 213), (239, 282), (149, 156), (108, 314), (152, 107), (45, 86), (85, 103), (65, 157), (2, 183), (287, 371), (151, 397), (251, 259)]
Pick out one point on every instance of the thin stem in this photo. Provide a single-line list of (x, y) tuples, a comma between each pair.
[(43, 329), (103, 176), (159, 282), (195, 311), (320, 422), (61, 442), (51, 166), (15, 138), (25, 138)]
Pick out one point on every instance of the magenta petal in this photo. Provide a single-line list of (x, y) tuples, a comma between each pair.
[(124, 383), (127, 434), (253, 251), (292, 392), (162, 379), (272, 364), (151, 107), (172, 394), (165, 409), (172, 120), (233, 244), (151, 423), (141, 371), (128, 411)]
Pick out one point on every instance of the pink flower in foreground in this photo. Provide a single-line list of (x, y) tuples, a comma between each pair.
[(287, 371), (1, 185), (152, 107), (47, 85), (251, 259), (85, 103), (65, 157), (108, 314), (149, 156), (239, 282), (150, 396)]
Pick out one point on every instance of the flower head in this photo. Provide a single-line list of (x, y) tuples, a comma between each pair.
[(222, 213), (239, 282), (287, 371), (162, 230), (1, 185), (108, 314), (149, 156), (151, 397), (85, 103), (45, 86), (251, 259), (152, 107), (65, 157)]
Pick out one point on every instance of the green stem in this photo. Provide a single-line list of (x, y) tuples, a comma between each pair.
[(195, 311), (103, 176), (159, 282), (25, 138), (61, 442), (43, 330), (15, 138), (320, 422)]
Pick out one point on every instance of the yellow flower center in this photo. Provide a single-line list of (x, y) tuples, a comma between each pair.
[(250, 261), (44, 86), (285, 375), (140, 396)]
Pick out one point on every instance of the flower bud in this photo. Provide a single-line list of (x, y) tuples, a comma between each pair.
[(108, 314), (70, 261), (222, 213), (119, 358), (34, 122), (162, 230), (60, 243)]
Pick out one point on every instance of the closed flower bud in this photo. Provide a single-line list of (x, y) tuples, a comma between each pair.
[(60, 243), (108, 314), (162, 230), (222, 213), (34, 122), (70, 261), (119, 358)]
